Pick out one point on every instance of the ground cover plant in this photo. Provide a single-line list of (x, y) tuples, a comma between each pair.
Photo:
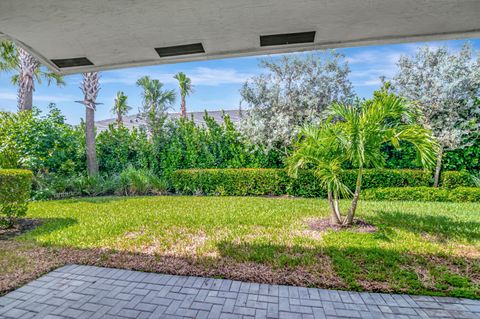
[(420, 248)]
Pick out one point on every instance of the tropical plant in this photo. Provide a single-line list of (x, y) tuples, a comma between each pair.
[(40, 143), (445, 86), (353, 136), (90, 88), (28, 70), (292, 91), (120, 107), (186, 87), (156, 102)]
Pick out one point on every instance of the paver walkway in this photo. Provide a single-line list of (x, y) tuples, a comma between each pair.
[(92, 292)]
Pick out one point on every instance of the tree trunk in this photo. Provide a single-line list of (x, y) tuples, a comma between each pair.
[(183, 108), (119, 118), (26, 85), (92, 166), (28, 100), (334, 217), (353, 207), (438, 168)]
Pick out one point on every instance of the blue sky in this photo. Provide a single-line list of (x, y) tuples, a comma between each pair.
[(217, 82)]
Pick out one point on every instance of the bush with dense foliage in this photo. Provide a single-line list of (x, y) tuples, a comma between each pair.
[(41, 143), (242, 182), (431, 194), (15, 187), (453, 179), (182, 144)]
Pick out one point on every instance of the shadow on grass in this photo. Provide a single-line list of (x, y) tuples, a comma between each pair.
[(441, 227), (94, 200), (372, 268), (48, 225)]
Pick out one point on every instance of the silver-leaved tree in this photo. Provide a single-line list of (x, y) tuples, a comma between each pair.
[(292, 91), (445, 87)]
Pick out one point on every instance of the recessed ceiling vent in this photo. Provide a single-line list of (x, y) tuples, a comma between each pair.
[(287, 38), (180, 50), (70, 63)]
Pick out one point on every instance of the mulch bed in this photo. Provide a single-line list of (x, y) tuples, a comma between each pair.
[(323, 224)]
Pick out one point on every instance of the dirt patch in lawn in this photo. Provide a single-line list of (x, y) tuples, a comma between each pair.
[(44, 259), (323, 224), (19, 226)]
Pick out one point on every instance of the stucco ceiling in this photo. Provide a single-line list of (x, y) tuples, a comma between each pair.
[(120, 33)]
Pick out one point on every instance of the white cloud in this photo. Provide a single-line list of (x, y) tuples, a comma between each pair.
[(200, 76)]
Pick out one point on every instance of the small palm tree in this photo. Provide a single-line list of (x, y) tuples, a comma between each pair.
[(186, 88), (120, 107), (28, 70), (156, 102), (353, 136), (90, 88)]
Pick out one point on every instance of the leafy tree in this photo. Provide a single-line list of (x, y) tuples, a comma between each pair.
[(444, 86), (353, 136), (90, 88), (41, 143), (186, 88), (156, 102), (119, 148), (292, 92), (28, 70), (120, 107)]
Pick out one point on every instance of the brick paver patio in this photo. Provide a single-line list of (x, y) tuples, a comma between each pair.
[(79, 292)]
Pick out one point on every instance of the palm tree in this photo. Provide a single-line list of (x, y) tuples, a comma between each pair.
[(28, 71), (156, 102), (90, 88), (353, 135), (186, 88), (120, 108)]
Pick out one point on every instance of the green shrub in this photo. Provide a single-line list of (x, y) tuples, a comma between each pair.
[(139, 182), (452, 179), (459, 194), (15, 186), (243, 182), (231, 182)]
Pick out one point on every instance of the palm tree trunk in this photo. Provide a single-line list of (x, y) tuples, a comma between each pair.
[(438, 168), (353, 207), (92, 166), (335, 216), (28, 65), (183, 108), (28, 100), (119, 118)]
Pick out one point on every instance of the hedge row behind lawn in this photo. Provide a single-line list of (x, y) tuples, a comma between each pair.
[(423, 194), (15, 187), (244, 182)]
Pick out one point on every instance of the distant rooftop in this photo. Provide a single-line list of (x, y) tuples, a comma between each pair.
[(135, 121)]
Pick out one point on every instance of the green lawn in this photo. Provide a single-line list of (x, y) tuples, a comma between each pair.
[(428, 248)]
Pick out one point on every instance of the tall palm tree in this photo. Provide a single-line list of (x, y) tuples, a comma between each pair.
[(353, 135), (186, 88), (28, 71), (90, 88), (120, 107), (156, 102)]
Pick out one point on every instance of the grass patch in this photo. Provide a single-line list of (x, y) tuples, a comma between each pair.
[(423, 248)]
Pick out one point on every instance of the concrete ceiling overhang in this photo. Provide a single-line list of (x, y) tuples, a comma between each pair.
[(122, 33)]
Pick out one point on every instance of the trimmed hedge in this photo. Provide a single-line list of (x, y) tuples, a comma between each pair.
[(252, 181), (15, 187), (453, 179), (233, 182), (430, 194)]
